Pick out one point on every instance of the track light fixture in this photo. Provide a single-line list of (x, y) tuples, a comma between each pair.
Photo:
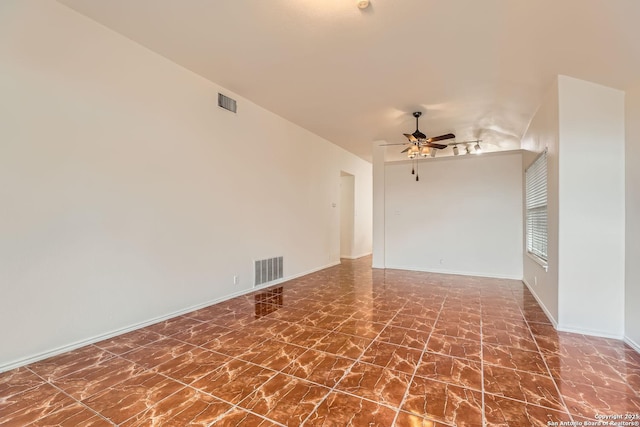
[(467, 149), (478, 148), (455, 150)]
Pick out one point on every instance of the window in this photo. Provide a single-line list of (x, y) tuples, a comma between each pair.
[(536, 207)]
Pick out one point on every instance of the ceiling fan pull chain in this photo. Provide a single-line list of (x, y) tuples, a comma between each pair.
[(417, 177), (413, 171)]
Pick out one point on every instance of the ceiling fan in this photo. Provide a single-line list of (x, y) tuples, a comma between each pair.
[(420, 144), (419, 139)]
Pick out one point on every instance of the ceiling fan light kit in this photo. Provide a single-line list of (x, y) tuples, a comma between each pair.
[(420, 145)]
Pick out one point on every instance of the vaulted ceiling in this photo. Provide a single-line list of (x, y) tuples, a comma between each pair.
[(477, 68)]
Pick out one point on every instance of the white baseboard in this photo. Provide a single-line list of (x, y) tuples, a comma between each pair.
[(589, 332), (356, 256), (552, 319), (454, 272), (634, 345), (92, 340)]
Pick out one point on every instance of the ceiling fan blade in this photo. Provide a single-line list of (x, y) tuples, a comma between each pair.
[(441, 137), (405, 150), (410, 137), (438, 146), (419, 135)]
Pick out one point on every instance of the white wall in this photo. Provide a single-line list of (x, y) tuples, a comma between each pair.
[(347, 187), (591, 214), (464, 216), (543, 133), (632, 205), (378, 245), (128, 195)]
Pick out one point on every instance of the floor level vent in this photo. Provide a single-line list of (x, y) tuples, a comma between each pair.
[(267, 270)]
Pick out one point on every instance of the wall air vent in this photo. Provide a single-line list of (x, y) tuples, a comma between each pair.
[(226, 103), (267, 270)]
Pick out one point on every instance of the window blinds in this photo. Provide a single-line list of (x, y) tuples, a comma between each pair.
[(536, 206)]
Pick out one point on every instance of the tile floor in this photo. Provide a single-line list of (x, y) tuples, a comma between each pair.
[(347, 346)]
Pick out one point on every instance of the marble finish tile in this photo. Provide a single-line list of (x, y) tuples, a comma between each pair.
[(452, 370), (158, 352), (537, 317), (126, 399), (501, 412), (192, 365), (172, 326), (208, 313), (187, 407), (17, 381), (340, 409), (524, 386), (372, 315), (375, 383), (97, 377), (589, 401), (407, 419), (458, 329), (517, 327), (201, 333), (233, 319), (234, 381), (361, 328), (233, 343), (593, 371), (453, 346), (324, 321), (405, 337), (445, 403), (264, 328), (285, 399), (631, 377), (344, 345), (513, 336), (304, 336), (272, 354), (348, 345), (506, 312), (416, 323), (514, 358), (241, 418), (460, 315), (319, 367), (31, 405), (129, 341), (392, 356), (64, 364), (72, 416)]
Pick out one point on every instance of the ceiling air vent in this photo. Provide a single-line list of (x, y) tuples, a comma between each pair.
[(226, 103)]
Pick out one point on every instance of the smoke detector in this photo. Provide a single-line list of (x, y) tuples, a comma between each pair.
[(363, 4)]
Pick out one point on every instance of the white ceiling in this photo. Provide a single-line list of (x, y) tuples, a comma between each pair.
[(477, 68)]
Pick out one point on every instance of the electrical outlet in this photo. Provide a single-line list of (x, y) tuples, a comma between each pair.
[(235, 280), (441, 261)]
